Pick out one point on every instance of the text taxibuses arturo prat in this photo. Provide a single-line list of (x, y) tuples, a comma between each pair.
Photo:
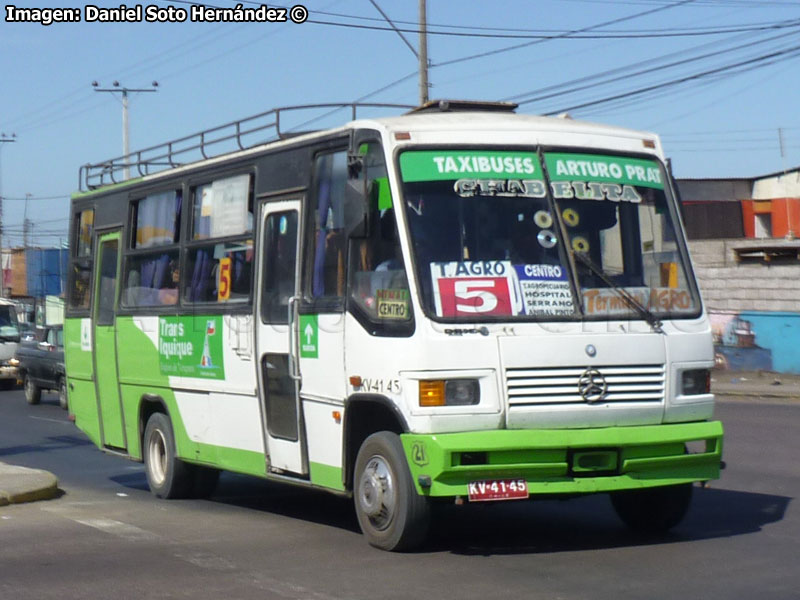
[(152, 13)]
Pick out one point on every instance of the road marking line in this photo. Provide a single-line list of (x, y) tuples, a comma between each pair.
[(59, 421), (120, 529), (207, 561)]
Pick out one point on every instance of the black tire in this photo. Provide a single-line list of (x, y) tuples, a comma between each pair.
[(653, 510), (167, 475), (62, 393), (391, 514), (33, 393), (204, 481)]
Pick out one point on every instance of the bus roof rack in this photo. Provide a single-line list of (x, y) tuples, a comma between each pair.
[(230, 137), (464, 106)]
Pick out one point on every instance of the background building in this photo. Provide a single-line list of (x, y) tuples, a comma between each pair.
[(742, 235)]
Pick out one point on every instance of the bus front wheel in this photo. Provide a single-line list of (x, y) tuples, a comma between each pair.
[(167, 476), (653, 510), (391, 514)]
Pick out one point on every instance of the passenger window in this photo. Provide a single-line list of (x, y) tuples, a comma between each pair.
[(157, 218), (151, 279), (81, 269), (223, 208), (328, 273), (84, 233), (220, 270), (80, 286)]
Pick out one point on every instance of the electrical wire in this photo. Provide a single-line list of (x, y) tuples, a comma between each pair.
[(744, 65)]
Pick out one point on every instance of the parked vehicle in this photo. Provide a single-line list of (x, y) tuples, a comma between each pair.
[(9, 341), (41, 365)]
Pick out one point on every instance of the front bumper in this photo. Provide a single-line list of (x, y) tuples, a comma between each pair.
[(552, 461)]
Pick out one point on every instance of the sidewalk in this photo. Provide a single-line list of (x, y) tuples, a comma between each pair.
[(20, 484), (755, 384)]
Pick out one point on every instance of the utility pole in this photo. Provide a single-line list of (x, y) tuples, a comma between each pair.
[(3, 139), (423, 53), (790, 234), (124, 91), (26, 224)]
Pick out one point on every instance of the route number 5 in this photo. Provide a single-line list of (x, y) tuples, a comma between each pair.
[(472, 296), (224, 283)]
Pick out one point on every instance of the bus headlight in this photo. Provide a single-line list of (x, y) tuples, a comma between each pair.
[(695, 382), (450, 392)]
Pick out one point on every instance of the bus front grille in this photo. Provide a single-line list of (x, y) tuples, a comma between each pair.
[(603, 384)]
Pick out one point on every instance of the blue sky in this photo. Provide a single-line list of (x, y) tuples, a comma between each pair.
[(716, 78)]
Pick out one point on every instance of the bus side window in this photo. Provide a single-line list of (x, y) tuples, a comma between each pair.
[(280, 256), (328, 273), (378, 283), (216, 270), (81, 272), (149, 278), (378, 286)]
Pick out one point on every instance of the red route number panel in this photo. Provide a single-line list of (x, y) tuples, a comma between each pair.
[(474, 296)]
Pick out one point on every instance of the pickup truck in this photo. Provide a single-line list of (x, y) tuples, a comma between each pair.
[(41, 365)]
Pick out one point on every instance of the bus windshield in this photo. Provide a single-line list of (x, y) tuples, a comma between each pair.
[(494, 236)]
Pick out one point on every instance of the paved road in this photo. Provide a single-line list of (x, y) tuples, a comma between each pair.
[(107, 537)]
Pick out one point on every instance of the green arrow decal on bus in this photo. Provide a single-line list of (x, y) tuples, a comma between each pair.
[(309, 336)]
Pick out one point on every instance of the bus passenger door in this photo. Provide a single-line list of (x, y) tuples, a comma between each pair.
[(105, 340), (277, 335)]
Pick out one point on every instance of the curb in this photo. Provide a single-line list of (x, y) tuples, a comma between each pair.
[(21, 484), (755, 395)]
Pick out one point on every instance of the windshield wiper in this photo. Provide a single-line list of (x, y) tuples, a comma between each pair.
[(645, 314)]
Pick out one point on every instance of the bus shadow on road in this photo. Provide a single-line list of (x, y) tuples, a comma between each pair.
[(590, 523), (52, 444), (543, 526), (269, 497)]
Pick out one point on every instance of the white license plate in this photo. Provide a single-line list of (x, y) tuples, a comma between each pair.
[(497, 489)]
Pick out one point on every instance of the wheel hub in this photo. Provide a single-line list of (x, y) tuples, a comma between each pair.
[(376, 493), (158, 457)]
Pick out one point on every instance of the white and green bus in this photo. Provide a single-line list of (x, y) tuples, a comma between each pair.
[(459, 304)]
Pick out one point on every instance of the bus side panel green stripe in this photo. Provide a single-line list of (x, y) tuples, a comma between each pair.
[(326, 476)]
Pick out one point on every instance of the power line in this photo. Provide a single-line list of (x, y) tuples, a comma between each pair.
[(544, 33), (786, 54), (18, 198), (565, 35), (591, 81)]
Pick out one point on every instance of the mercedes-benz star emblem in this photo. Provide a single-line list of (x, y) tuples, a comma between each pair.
[(592, 386)]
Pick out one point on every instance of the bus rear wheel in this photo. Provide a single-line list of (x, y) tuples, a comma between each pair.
[(653, 510), (62, 393), (391, 514), (167, 476)]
